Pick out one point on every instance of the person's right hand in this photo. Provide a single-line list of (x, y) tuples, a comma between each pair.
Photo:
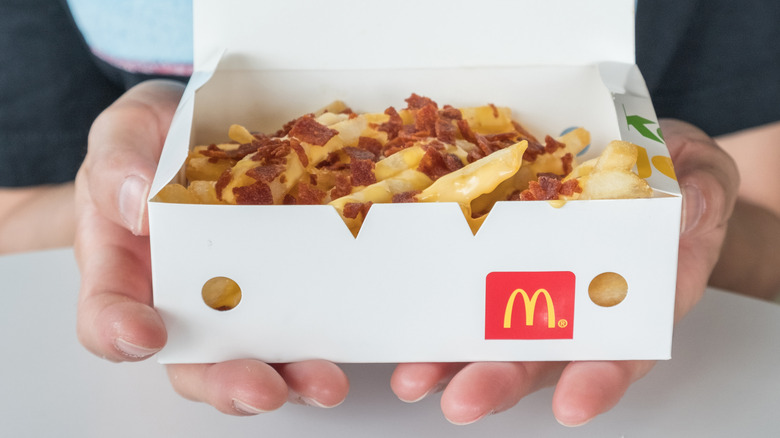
[(116, 319)]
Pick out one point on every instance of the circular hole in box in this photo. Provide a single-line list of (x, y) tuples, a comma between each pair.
[(221, 293), (608, 289)]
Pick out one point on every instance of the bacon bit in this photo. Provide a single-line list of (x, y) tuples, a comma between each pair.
[(273, 151), (215, 153), (436, 164), (551, 145), (436, 144), (360, 154), (311, 131), (568, 163), (533, 151), (370, 144), (265, 173), (288, 126), (570, 187), (258, 193), (547, 188), (449, 112), (393, 146), (484, 145), (405, 197), (330, 162), (494, 142), (310, 195), (362, 172), (312, 179), (474, 155), (295, 145), (425, 120), (495, 110), (289, 200), (222, 182), (343, 187), (352, 209), (445, 131), (466, 132), (393, 125), (416, 102), (524, 134)]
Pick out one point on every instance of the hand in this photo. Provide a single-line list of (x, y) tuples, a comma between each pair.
[(116, 319), (708, 179)]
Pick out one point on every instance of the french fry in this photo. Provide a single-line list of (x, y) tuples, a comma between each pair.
[(610, 176)]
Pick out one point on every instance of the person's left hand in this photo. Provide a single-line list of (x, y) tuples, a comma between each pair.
[(708, 179)]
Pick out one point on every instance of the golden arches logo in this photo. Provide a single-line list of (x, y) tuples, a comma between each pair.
[(530, 307)]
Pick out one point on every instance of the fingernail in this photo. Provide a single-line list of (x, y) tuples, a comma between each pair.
[(465, 423), (132, 350), (246, 408), (692, 208), (575, 424), (132, 202), (433, 390), (295, 398)]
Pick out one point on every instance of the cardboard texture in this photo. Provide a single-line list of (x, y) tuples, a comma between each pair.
[(416, 284)]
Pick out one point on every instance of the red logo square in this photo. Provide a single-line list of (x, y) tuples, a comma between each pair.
[(529, 305)]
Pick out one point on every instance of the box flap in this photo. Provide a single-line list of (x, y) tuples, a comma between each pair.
[(412, 33)]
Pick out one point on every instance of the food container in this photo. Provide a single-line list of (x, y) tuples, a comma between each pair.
[(416, 284)]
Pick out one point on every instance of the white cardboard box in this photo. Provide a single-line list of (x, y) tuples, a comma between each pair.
[(416, 284)]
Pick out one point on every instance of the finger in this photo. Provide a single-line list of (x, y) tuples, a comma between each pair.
[(237, 387), (709, 182), (115, 317), (125, 143), (412, 382), (485, 388), (315, 383), (587, 389)]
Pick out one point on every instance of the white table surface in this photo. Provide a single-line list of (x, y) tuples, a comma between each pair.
[(723, 380)]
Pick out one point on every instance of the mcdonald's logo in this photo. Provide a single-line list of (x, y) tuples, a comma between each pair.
[(529, 305)]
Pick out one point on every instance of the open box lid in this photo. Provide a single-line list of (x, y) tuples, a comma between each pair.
[(356, 34)]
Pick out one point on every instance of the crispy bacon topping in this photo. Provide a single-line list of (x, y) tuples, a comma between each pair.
[(370, 144), (524, 134), (416, 102), (359, 154), (567, 161), (533, 151), (343, 187), (551, 145), (258, 193), (266, 173), (309, 194), (393, 125), (214, 152), (311, 131), (449, 112), (405, 197), (362, 172), (425, 120), (222, 182), (547, 188), (445, 131), (273, 151), (352, 209), (437, 163), (302, 157)]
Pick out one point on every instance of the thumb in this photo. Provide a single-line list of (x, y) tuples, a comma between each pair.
[(125, 143)]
